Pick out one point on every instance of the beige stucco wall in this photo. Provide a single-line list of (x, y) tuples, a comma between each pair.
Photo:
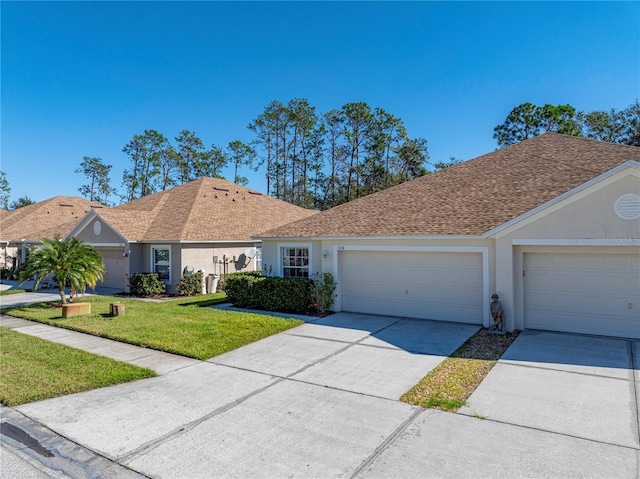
[(198, 255), (201, 257), (106, 235)]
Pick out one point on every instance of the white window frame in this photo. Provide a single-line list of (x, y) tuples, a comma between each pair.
[(257, 265), (282, 246), (155, 248)]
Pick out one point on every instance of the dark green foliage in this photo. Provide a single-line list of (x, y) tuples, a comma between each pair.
[(222, 281), (271, 293), (325, 289), (20, 202), (239, 290), (147, 284), (190, 284), (528, 120)]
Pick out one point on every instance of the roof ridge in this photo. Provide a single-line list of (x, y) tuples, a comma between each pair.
[(192, 207)]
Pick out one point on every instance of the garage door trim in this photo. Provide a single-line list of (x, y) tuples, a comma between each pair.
[(484, 250)]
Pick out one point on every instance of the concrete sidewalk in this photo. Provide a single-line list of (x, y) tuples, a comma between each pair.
[(160, 362)]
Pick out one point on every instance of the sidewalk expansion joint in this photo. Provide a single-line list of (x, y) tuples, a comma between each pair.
[(386, 443), (153, 444), (510, 362), (632, 448), (634, 386)]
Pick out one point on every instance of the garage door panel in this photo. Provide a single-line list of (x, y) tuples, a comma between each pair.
[(114, 263), (589, 282), (421, 285), (583, 293)]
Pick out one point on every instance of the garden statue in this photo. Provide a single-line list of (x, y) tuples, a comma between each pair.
[(497, 314)]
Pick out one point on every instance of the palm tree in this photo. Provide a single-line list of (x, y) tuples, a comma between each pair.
[(71, 261)]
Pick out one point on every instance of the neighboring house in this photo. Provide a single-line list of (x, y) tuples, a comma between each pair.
[(551, 224), (24, 227), (207, 225)]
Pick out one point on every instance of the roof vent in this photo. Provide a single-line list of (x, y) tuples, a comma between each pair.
[(68, 206), (627, 207), (220, 189), (97, 207), (255, 193)]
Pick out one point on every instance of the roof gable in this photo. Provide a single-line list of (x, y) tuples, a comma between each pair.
[(473, 197)]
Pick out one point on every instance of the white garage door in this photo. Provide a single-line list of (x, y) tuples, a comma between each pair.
[(443, 286), (114, 264), (583, 293)]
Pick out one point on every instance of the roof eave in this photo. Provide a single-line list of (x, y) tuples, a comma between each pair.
[(377, 237)]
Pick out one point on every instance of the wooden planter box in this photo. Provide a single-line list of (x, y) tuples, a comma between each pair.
[(75, 309)]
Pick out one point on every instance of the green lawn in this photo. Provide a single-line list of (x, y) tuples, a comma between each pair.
[(32, 369), (6, 292), (183, 326)]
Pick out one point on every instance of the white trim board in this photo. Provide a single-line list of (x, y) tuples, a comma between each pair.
[(631, 241), (363, 238), (484, 250)]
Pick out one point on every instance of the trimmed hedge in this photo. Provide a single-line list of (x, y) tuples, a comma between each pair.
[(190, 284), (147, 284), (223, 278), (293, 295)]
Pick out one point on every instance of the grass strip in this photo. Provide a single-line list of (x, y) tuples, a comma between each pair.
[(448, 386), (185, 326), (32, 369), (7, 292)]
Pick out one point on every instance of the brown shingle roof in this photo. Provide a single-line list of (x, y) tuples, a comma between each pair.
[(206, 209), (473, 197), (45, 219)]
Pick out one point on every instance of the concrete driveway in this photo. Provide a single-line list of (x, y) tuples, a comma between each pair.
[(321, 401), (574, 385)]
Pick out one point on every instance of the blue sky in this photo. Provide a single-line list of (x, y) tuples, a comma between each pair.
[(81, 78)]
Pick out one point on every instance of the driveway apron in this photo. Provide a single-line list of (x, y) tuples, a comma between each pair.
[(580, 386)]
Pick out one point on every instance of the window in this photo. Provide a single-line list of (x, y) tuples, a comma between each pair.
[(161, 262), (258, 258), (295, 262)]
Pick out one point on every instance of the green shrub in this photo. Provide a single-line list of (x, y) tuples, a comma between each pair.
[(325, 289), (223, 278), (295, 295), (5, 273), (190, 284), (147, 284), (240, 291)]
